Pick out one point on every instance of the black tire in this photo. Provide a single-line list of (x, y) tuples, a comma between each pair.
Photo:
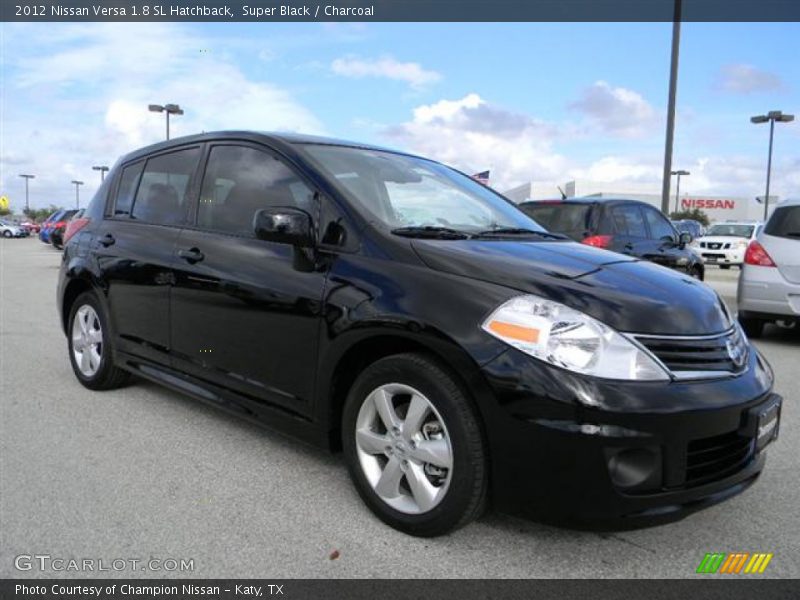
[(697, 273), (6, 234), (465, 498), (752, 327), (108, 375), (724, 266)]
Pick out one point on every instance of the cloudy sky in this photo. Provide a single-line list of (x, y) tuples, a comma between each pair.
[(541, 102)]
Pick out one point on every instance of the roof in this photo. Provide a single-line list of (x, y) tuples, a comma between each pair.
[(582, 200), (276, 139)]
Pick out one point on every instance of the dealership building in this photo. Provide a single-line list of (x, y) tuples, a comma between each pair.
[(718, 208)]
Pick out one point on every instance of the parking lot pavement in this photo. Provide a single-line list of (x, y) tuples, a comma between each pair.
[(143, 472)]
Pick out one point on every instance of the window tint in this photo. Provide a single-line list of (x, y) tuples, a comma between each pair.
[(239, 181), (659, 226), (785, 222), (161, 197), (629, 221), (561, 217), (127, 188)]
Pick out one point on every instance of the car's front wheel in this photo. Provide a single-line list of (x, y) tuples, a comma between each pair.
[(89, 345), (414, 446), (7, 234)]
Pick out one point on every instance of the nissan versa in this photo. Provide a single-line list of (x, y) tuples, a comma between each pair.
[(459, 354)]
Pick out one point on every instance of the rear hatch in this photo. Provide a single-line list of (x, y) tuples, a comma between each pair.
[(781, 239), (569, 218)]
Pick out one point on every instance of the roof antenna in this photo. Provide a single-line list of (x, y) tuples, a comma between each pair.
[(563, 195)]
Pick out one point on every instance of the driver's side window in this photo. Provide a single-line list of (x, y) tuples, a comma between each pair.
[(660, 228), (240, 180)]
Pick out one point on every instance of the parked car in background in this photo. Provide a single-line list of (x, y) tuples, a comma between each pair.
[(724, 244), (690, 226), (384, 304), (769, 286), (11, 230), (75, 223), (59, 227), (627, 226), (44, 231), (31, 226)]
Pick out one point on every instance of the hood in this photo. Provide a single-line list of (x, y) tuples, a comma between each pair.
[(628, 294)]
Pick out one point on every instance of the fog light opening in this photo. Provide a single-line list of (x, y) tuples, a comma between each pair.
[(633, 467)]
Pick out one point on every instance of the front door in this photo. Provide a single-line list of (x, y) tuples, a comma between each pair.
[(245, 312)]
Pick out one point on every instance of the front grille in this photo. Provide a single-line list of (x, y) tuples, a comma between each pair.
[(683, 356), (713, 458)]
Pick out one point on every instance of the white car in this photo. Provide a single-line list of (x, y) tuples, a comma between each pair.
[(769, 287), (724, 244), (9, 230)]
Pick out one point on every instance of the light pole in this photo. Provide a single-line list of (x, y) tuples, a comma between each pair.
[(102, 169), (27, 178), (170, 109), (772, 116), (678, 185), (673, 92), (77, 193)]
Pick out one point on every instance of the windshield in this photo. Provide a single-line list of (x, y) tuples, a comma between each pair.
[(728, 229), (405, 192)]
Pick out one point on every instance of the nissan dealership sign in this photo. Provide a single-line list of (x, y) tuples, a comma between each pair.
[(708, 203)]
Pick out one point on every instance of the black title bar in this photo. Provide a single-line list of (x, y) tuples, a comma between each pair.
[(398, 10)]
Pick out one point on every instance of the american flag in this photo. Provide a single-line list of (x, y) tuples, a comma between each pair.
[(482, 177)]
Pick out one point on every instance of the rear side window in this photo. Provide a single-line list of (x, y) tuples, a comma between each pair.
[(628, 220), (571, 219), (239, 181), (126, 190), (162, 194), (785, 222)]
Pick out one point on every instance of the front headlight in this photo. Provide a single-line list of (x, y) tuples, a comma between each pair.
[(568, 338)]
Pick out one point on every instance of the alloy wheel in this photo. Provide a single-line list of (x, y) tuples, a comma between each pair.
[(87, 340), (404, 448)]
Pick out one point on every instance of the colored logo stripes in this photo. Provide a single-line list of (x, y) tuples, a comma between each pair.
[(734, 563)]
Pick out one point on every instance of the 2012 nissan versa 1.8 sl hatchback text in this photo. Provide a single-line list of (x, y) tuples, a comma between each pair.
[(387, 305)]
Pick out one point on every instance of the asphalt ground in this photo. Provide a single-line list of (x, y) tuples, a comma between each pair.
[(144, 473)]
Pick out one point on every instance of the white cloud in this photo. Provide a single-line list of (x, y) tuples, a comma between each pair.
[(474, 135), (616, 110), (81, 91), (747, 79), (385, 67)]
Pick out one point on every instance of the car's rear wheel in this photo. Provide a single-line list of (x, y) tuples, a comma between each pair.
[(752, 327), (414, 446), (89, 345)]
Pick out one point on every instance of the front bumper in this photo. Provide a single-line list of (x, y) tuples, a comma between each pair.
[(722, 256), (588, 452)]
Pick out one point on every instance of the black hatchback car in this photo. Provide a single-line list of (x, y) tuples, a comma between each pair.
[(384, 304), (627, 226)]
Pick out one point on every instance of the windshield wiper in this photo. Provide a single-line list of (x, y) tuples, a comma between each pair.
[(431, 231), (520, 231)]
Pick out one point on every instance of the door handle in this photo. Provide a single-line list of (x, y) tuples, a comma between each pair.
[(628, 247), (107, 240), (191, 255)]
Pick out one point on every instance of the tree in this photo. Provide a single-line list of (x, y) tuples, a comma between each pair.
[(695, 214), (4, 212)]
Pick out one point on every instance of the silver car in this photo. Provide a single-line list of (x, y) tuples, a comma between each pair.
[(769, 286)]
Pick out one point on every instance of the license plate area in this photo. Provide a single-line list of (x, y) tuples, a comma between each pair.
[(767, 421)]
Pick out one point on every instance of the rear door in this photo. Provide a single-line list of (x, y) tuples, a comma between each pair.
[(781, 239), (135, 244), (246, 312)]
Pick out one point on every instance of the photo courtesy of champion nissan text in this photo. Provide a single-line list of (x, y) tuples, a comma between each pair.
[(461, 355)]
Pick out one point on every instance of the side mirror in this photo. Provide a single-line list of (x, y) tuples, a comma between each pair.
[(685, 238), (284, 225)]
